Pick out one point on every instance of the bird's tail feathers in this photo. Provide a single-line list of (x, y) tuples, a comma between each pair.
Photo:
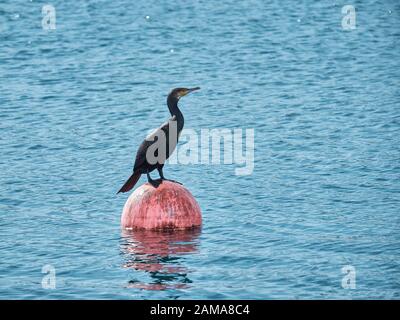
[(130, 183)]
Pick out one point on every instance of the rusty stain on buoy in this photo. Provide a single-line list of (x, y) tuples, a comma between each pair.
[(169, 206)]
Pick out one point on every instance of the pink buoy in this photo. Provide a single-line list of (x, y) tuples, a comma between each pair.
[(169, 206)]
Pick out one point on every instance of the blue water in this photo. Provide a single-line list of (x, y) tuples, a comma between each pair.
[(325, 106)]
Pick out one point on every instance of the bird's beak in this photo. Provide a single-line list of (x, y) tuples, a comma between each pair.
[(192, 89)]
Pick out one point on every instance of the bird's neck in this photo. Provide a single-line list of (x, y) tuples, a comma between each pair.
[(172, 103)]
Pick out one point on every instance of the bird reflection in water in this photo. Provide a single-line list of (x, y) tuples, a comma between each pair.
[(159, 254)]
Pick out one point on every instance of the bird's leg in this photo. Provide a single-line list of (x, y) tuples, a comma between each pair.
[(154, 183), (160, 171)]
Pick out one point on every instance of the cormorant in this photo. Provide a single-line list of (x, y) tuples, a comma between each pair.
[(171, 131)]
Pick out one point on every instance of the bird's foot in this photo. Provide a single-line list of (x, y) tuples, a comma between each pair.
[(155, 183), (170, 180)]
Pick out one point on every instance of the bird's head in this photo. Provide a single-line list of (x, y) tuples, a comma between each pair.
[(178, 93)]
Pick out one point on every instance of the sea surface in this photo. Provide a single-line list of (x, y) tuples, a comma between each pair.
[(318, 218)]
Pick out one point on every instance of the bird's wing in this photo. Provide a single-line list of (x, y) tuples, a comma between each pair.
[(150, 139), (141, 154)]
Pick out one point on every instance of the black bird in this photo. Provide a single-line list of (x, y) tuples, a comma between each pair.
[(163, 140)]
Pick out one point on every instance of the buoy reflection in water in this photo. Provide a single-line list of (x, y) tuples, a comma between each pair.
[(159, 254)]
